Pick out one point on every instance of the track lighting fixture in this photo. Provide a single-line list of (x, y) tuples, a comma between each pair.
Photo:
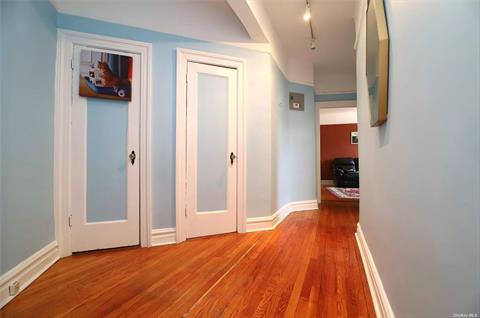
[(307, 15)]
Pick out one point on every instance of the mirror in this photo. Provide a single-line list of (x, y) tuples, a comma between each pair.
[(377, 62)]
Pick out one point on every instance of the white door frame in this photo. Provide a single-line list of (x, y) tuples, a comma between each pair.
[(318, 154), (63, 98), (183, 57)]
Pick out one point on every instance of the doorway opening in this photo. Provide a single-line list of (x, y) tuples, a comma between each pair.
[(337, 161)]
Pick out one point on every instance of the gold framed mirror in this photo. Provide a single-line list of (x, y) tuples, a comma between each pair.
[(377, 62)]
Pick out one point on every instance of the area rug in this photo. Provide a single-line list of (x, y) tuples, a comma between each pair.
[(345, 193)]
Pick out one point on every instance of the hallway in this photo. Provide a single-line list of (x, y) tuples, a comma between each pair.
[(309, 266)]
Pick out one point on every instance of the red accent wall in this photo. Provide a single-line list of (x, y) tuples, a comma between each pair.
[(334, 143)]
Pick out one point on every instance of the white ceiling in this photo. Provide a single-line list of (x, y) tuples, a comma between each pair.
[(210, 20), (333, 26), (214, 20)]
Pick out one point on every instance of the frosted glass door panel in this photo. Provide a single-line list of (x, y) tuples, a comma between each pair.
[(212, 151), (107, 141)]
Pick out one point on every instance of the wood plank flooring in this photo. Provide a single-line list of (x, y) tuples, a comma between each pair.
[(309, 266)]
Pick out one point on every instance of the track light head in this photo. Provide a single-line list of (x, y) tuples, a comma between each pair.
[(307, 15)]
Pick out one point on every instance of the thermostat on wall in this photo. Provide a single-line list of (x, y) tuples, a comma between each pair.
[(297, 101)]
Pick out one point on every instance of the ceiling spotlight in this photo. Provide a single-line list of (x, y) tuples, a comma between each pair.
[(307, 15), (313, 44)]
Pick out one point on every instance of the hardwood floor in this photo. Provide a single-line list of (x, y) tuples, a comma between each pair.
[(309, 266)]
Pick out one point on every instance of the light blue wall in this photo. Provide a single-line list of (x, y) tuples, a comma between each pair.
[(27, 112), (335, 97), (163, 125), (28, 36), (281, 162), (293, 143), (420, 180), (302, 147), (1, 102)]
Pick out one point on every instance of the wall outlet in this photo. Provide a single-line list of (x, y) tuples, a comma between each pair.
[(14, 288)]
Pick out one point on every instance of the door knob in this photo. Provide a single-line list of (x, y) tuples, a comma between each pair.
[(132, 157), (232, 158)]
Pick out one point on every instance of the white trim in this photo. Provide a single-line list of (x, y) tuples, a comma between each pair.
[(318, 155), (312, 85), (304, 83), (251, 46), (28, 270), (266, 223), (266, 48), (360, 16), (164, 236), (183, 57), (246, 16), (379, 296), (63, 83)]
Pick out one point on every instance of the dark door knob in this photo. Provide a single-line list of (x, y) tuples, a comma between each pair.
[(232, 158), (132, 157)]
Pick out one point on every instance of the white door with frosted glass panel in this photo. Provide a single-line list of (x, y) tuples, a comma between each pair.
[(104, 181), (211, 150)]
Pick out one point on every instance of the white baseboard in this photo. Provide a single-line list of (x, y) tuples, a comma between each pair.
[(164, 236), (28, 270), (379, 297), (168, 235), (270, 222)]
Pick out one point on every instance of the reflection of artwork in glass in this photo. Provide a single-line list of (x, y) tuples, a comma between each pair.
[(377, 62), (373, 97), (354, 137)]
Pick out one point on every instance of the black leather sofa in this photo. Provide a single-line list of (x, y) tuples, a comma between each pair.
[(346, 172)]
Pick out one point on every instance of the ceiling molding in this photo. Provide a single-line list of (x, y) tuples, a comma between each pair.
[(246, 16)]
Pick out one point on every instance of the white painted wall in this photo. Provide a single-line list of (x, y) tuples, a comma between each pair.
[(333, 27), (245, 15), (295, 70), (332, 83), (337, 104), (300, 72), (335, 116), (420, 180), (276, 49), (204, 20)]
